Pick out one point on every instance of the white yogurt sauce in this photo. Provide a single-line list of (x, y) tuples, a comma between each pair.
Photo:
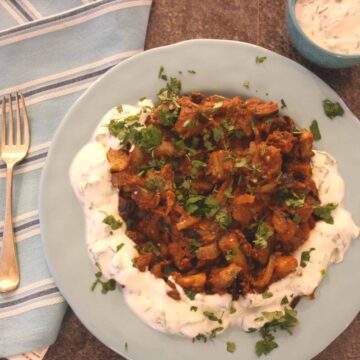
[(147, 295), (332, 24)]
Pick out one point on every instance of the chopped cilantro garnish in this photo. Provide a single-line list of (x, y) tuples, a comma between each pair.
[(150, 138), (212, 317), (109, 285), (314, 128), (283, 104), (277, 320), (191, 71), (168, 117), (119, 109), (119, 247), (305, 257), (218, 133), (230, 255), (256, 168), (152, 164), (161, 74), (215, 331), (193, 308), (155, 183), (332, 109), (241, 162), (323, 272), (228, 193), (171, 92), (200, 205), (262, 235), (251, 330), (190, 293), (284, 300), (207, 143), (230, 346), (200, 337), (232, 309), (296, 219), (194, 245), (112, 222), (266, 294), (260, 59), (324, 212), (223, 218), (295, 202)]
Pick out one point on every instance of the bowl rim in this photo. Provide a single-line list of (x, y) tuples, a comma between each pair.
[(291, 12)]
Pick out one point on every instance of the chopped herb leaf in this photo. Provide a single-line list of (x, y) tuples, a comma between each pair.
[(230, 255), (277, 320), (191, 71), (119, 247), (168, 117), (283, 104), (112, 222), (246, 84), (218, 133), (314, 128), (200, 337), (171, 92), (190, 293), (332, 109), (161, 74), (212, 317), (323, 272), (305, 257), (266, 345), (215, 331), (152, 164), (155, 183), (262, 235), (324, 212), (260, 59), (194, 245), (232, 309), (251, 330), (119, 109), (241, 162), (296, 219), (295, 202), (284, 300), (193, 308), (266, 294), (228, 193), (223, 218), (150, 138), (230, 347), (109, 285)]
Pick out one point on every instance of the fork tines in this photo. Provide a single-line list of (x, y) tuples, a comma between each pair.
[(20, 140)]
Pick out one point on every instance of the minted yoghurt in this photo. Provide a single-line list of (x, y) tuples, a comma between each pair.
[(147, 296), (332, 24)]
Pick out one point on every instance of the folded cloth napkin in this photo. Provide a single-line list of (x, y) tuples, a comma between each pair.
[(56, 51)]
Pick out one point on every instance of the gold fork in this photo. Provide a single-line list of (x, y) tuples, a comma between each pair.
[(11, 153)]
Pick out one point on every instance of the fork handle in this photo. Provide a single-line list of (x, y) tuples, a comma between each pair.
[(9, 269)]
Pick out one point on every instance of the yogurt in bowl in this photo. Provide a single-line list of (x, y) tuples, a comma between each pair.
[(326, 32)]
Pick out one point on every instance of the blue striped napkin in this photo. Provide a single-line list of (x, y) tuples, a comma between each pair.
[(51, 51)]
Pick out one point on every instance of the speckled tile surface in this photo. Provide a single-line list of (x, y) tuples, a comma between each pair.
[(176, 20)]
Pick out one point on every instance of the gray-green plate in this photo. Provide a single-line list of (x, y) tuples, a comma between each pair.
[(221, 68)]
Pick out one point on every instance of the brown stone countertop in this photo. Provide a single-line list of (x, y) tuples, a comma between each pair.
[(176, 20)]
